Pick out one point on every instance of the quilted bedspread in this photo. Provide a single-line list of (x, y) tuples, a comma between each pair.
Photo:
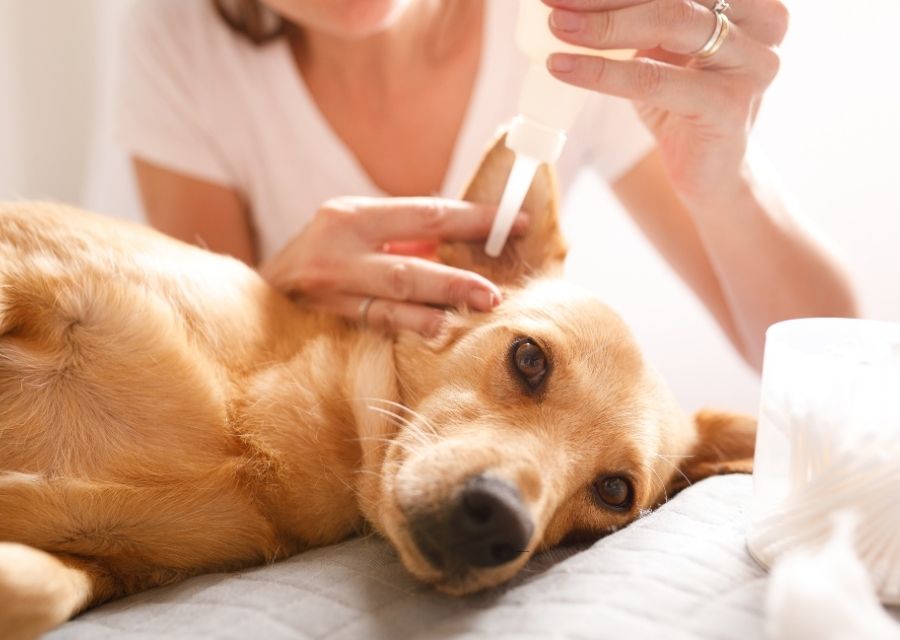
[(679, 572)]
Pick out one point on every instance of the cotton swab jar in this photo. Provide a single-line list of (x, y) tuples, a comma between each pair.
[(828, 442)]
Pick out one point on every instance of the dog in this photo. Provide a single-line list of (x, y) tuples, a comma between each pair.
[(164, 413)]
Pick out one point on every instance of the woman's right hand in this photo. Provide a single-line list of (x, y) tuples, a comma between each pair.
[(344, 256)]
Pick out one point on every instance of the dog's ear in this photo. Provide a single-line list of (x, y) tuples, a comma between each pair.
[(725, 444), (540, 250)]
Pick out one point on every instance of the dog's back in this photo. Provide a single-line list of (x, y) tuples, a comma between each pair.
[(116, 388)]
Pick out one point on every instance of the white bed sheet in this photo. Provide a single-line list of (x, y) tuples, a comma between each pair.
[(681, 572)]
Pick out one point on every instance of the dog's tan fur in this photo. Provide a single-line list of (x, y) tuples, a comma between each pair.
[(164, 412)]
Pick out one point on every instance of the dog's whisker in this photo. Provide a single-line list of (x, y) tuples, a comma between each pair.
[(662, 484), (674, 466), (387, 441), (393, 415), (425, 421), (413, 430), (402, 421)]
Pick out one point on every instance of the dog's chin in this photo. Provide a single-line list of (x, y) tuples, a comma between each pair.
[(475, 581), (452, 583)]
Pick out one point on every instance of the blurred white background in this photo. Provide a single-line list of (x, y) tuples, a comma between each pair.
[(830, 128)]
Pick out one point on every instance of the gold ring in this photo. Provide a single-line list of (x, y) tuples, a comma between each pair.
[(364, 310), (717, 38)]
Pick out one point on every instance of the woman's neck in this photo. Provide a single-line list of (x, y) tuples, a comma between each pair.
[(392, 61)]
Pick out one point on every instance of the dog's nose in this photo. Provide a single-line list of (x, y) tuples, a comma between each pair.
[(489, 523)]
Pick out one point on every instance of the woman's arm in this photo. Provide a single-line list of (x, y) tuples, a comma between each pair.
[(745, 256), (697, 81), (196, 211)]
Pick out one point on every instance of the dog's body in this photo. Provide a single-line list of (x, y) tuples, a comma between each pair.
[(155, 384), (164, 412)]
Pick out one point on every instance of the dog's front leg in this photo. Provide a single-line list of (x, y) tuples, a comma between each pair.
[(40, 591)]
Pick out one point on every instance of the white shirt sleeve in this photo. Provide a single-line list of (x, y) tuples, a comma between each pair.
[(160, 113)]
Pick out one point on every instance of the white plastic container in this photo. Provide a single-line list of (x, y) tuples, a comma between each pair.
[(829, 442), (547, 109)]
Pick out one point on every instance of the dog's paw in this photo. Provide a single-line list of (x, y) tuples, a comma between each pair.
[(37, 592)]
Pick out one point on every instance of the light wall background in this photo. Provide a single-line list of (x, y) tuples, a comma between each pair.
[(830, 128)]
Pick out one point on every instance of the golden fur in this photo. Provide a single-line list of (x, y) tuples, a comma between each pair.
[(164, 412)]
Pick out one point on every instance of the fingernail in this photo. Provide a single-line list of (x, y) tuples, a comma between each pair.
[(561, 62), (522, 222), (568, 21), (483, 300)]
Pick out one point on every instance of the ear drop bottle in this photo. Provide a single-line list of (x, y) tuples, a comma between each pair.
[(547, 109)]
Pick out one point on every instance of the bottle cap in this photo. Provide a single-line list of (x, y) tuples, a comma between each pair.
[(529, 138)]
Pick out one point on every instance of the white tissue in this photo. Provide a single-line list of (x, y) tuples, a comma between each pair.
[(826, 594), (860, 474)]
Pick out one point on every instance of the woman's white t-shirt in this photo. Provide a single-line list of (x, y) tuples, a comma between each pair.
[(201, 100)]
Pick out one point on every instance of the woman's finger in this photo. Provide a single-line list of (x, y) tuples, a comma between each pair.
[(395, 316), (592, 5), (387, 315), (681, 90), (417, 219), (762, 20), (410, 279), (765, 21), (678, 26), (736, 12)]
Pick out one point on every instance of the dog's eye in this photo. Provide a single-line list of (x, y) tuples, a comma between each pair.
[(530, 362), (614, 492)]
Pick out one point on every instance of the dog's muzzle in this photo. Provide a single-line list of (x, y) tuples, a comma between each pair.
[(485, 524)]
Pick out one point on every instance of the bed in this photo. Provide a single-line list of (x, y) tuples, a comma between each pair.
[(679, 572)]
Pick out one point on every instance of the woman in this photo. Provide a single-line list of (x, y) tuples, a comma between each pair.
[(252, 122)]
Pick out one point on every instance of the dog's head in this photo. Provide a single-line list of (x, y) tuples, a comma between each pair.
[(535, 423)]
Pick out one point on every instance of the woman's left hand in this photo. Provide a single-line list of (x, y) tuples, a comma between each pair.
[(699, 110)]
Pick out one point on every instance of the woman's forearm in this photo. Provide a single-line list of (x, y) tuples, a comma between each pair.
[(770, 265)]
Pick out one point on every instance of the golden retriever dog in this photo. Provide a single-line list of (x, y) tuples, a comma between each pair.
[(164, 413)]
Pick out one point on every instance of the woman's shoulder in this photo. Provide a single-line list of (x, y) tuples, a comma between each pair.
[(175, 15), (174, 25)]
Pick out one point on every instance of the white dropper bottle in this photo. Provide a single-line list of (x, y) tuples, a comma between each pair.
[(547, 109)]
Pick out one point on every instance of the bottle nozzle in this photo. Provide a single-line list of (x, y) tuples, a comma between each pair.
[(517, 185)]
